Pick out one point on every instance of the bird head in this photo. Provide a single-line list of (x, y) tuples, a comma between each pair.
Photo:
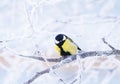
[(60, 38)]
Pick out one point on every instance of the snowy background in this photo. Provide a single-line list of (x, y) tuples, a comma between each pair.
[(27, 26)]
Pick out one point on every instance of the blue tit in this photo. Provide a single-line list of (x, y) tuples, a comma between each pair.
[(65, 46)]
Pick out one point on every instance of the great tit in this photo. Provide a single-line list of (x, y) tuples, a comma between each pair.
[(65, 46)]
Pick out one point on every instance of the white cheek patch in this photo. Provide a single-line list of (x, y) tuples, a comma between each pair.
[(56, 41), (64, 38)]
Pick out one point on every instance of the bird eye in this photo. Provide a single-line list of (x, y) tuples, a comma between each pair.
[(64, 38)]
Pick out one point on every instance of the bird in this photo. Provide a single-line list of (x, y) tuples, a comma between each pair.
[(65, 46)]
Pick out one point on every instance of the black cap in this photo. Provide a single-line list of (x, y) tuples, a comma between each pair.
[(59, 37)]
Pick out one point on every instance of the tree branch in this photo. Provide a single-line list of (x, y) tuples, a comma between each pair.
[(92, 53), (72, 58), (65, 61)]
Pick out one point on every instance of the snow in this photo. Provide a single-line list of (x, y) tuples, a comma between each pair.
[(27, 26)]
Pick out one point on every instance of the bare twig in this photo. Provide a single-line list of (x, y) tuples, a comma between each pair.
[(74, 81), (59, 78), (43, 59), (108, 44)]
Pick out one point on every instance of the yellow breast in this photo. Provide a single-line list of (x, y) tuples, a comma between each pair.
[(57, 49), (70, 47)]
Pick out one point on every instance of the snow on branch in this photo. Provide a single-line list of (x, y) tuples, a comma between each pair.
[(63, 61)]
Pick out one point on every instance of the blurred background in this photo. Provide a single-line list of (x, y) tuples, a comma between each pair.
[(28, 26)]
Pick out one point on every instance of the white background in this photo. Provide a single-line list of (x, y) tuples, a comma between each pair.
[(30, 25)]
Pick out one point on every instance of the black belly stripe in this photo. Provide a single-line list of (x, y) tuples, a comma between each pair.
[(63, 53)]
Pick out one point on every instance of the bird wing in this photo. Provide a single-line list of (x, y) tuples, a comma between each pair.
[(75, 44)]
